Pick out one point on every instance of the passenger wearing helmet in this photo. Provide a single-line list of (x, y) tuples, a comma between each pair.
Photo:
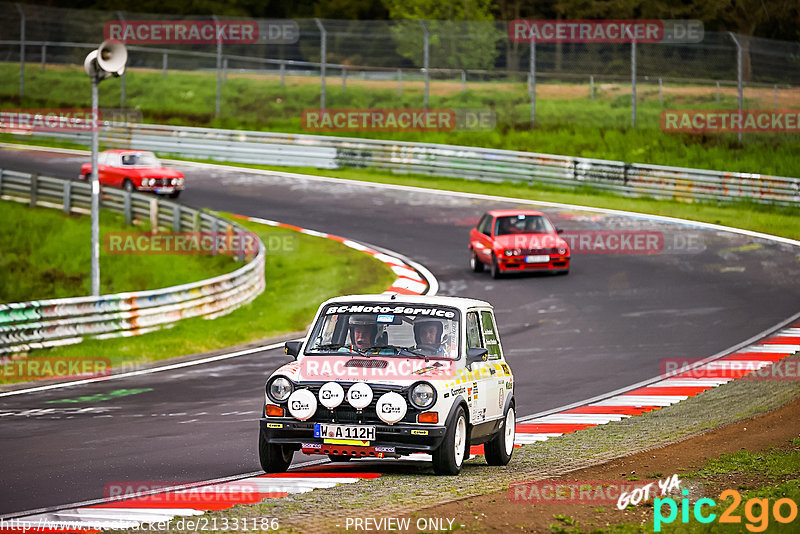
[(363, 331), (428, 335)]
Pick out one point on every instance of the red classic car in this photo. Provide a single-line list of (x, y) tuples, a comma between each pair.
[(517, 241), (135, 170)]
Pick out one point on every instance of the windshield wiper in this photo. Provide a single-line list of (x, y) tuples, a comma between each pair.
[(337, 346)]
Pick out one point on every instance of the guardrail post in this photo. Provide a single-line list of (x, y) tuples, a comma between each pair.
[(44, 55), (126, 208), (153, 215), (196, 225), (34, 188), (67, 196), (164, 59), (591, 88), (176, 217), (1, 182), (214, 233), (21, 51)]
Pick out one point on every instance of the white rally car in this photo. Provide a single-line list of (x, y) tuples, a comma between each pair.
[(387, 376)]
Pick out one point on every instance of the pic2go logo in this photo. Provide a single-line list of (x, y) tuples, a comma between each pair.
[(758, 521)]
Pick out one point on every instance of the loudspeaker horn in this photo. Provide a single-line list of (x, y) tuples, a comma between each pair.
[(111, 57)]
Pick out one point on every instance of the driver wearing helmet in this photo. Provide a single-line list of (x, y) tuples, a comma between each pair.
[(428, 336), (363, 331)]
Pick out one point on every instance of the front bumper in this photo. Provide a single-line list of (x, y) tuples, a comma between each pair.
[(518, 264), (403, 438)]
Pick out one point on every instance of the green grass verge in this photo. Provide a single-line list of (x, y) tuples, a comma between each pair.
[(297, 282), (574, 126), (46, 254)]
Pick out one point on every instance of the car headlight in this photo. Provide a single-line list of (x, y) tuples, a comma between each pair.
[(279, 389), (512, 252), (562, 250), (422, 396), (180, 181), (148, 181), (174, 181)]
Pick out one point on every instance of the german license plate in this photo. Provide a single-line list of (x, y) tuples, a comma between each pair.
[(165, 189), (351, 432), (537, 259)]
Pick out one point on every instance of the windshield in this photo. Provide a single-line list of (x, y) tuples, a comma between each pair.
[(401, 330), (522, 224), (141, 159)]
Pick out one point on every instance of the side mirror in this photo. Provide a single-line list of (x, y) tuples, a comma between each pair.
[(475, 355), (559, 230), (292, 348)]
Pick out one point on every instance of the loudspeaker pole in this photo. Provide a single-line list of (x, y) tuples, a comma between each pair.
[(95, 194)]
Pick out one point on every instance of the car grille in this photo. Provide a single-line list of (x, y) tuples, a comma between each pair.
[(344, 413), (538, 251)]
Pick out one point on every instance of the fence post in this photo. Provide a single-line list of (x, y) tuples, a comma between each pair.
[(21, 51), (425, 61), (225, 70), (344, 78), (126, 208), (164, 60), (591, 88), (633, 83), (718, 93), (399, 82), (463, 80), (775, 97), (125, 72), (660, 93), (283, 73), (176, 217), (34, 189), (218, 103), (67, 196), (322, 60), (739, 78), (533, 81), (44, 56), (196, 224)]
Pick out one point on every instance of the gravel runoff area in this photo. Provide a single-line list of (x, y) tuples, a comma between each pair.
[(402, 490)]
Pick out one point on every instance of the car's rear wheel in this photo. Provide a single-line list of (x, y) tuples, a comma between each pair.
[(449, 457), (274, 458), (474, 263), (499, 449), (128, 186), (495, 268)]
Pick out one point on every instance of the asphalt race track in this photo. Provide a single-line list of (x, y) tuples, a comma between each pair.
[(606, 325)]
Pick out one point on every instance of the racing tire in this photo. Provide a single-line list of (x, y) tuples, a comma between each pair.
[(449, 457), (274, 458), (128, 186), (339, 458), (83, 177), (175, 194), (495, 269), (499, 449), (474, 263)]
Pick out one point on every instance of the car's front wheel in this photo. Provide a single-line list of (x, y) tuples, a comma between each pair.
[(274, 458), (449, 457), (496, 273), (128, 186), (474, 263), (499, 449), (175, 194)]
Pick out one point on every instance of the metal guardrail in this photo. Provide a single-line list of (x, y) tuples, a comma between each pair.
[(46, 323), (330, 152)]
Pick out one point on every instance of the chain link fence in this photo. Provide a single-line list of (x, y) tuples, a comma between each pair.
[(432, 57)]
